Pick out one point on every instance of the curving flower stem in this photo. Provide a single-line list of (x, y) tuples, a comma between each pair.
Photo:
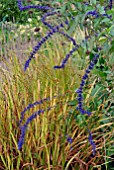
[(24, 127), (51, 27), (66, 58), (92, 142), (53, 31), (22, 8), (31, 105), (40, 43), (80, 90)]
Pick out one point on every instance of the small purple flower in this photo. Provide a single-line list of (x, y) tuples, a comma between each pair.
[(106, 15), (110, 4), (69, 139), (93, 13), (66, 22), (85, 77), (86, 3)]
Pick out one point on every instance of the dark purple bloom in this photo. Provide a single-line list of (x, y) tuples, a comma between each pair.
[(79, 90), (110, 4), (86, 3), (106, 15), (69, 139), (66, 22), (90, 67), (87, 72), (93, 13), (85, 77), (82, 82), (80, 99)]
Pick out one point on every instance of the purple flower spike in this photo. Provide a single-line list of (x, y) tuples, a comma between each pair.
[(32, 6), (92, 143), (42, 41), (51, 27), (80, 90), (31, 106), (24, 128), (93, 13), (67, 57)]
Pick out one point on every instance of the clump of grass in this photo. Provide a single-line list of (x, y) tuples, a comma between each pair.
[(45, 145)]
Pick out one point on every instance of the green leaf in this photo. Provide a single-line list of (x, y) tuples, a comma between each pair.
[(79, 6), (105, 20), (72, 103), (93, 2), (112, 30), (81, 120)]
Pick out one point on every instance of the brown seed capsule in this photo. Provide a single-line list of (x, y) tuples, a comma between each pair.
[(29, 1), (87, 52), (36, 29), (30, 12)]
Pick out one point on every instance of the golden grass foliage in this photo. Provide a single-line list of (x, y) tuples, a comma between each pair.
[(45, 145)]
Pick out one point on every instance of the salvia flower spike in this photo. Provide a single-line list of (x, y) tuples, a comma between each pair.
[(51, 27), (80, 90), (66, 58), (40, 43), (29, 120), (24, 128), (32, 6), (31, 105), (96, 15), (92, 143)]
